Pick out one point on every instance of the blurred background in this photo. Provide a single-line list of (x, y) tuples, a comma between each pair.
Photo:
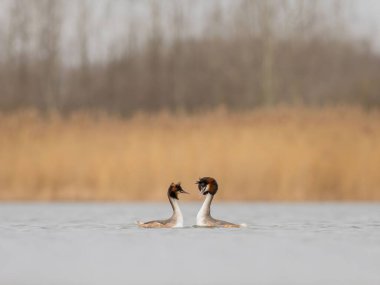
[(114, 100)]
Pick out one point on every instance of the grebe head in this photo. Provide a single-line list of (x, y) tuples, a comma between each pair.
[(207, 185), (174, 189)]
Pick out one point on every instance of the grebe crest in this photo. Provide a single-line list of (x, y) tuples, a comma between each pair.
[(207, 185), (174, 189)]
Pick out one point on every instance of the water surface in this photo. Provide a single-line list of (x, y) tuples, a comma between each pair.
[(100, 244)]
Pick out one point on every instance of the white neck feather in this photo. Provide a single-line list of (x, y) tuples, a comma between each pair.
[(204, 212), (177, 214)]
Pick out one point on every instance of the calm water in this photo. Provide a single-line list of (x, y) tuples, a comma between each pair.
[(99, 244)]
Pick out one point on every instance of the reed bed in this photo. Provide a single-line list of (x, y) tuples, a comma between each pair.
[(282, 154)]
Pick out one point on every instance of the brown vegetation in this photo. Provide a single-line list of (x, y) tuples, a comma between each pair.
[(273, 154)]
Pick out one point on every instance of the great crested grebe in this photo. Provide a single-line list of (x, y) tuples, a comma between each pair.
[(208, 186), (176, 220)]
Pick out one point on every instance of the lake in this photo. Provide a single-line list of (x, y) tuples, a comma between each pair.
[(98, 243)]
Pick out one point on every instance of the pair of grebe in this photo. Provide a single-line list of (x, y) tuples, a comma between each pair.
[(208, 187)]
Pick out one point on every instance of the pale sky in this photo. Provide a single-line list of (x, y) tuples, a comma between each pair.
[(366, 21), (364, 16), (108, 22)]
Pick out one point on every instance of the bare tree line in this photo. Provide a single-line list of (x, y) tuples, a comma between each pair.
[(247, 54)]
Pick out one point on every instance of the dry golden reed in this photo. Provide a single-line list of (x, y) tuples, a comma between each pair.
[(269, 154)]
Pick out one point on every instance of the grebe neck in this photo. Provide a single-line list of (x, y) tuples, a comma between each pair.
[(177, 214), (205, 212)]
